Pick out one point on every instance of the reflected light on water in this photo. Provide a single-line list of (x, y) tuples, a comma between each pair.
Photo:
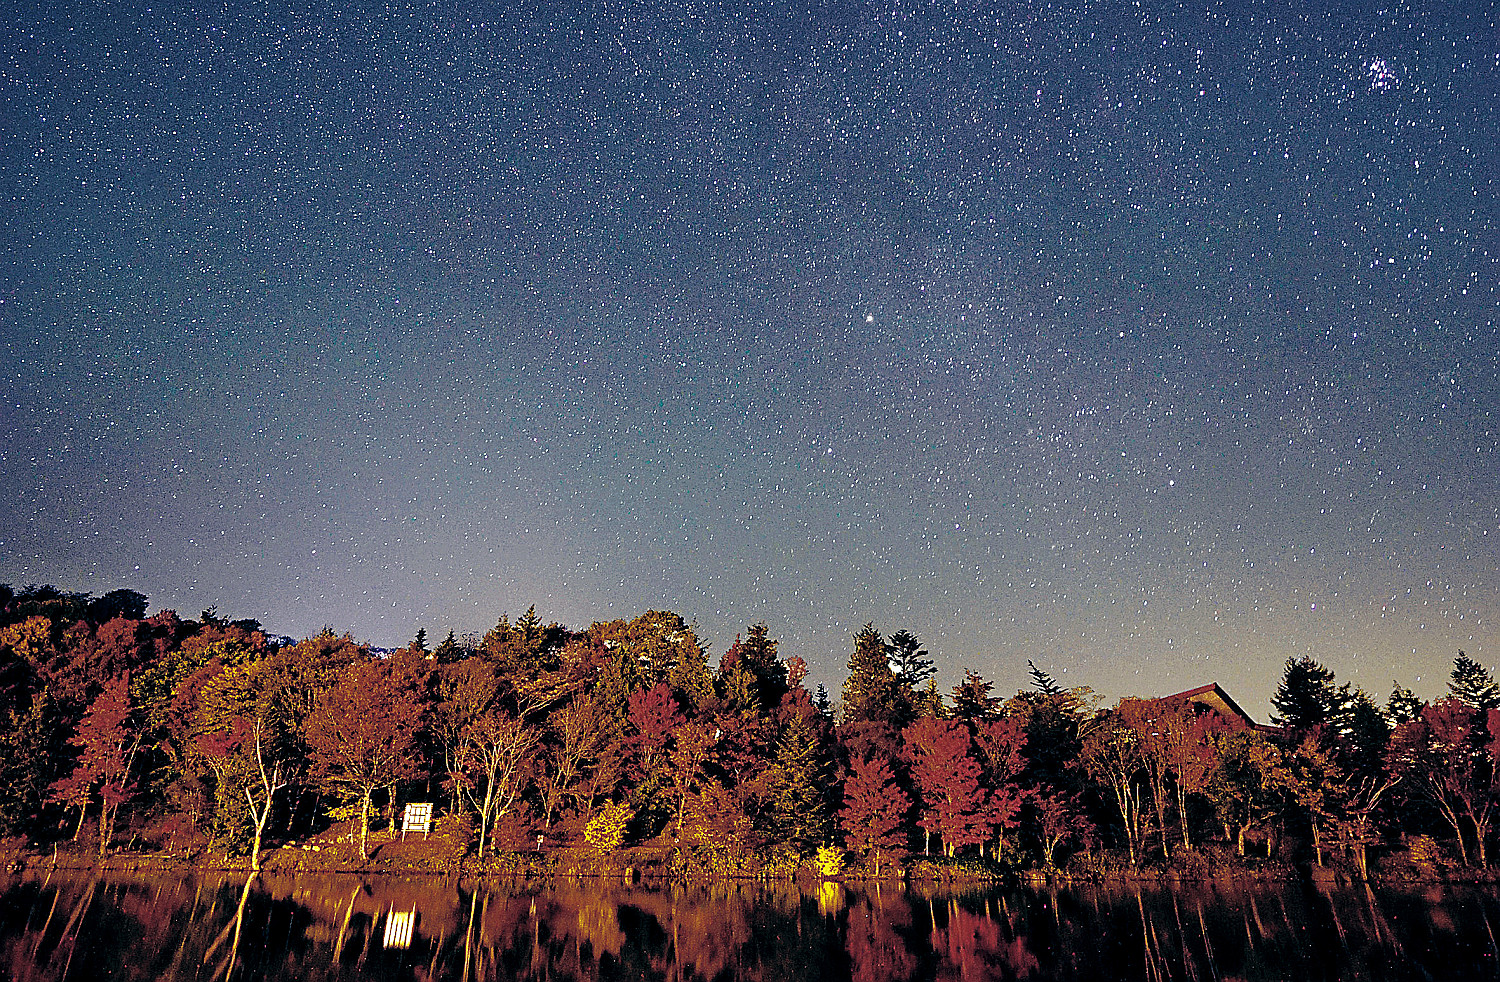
[(67, 927)]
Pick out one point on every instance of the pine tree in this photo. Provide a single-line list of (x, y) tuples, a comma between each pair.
[(1403, 706), (448, 652), (796, 811), (972, 700), (870, 689), (1472, 684), (1306, 696), (1042, 681), (758, 656)]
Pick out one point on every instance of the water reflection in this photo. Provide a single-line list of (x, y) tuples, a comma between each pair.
[(71, 927)]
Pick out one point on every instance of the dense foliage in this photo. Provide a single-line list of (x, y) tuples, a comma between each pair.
[(158, 730)]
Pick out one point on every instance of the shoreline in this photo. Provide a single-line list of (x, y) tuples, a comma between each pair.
[(658, 865)]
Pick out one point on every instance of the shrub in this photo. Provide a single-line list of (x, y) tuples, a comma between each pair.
[(606, 830)]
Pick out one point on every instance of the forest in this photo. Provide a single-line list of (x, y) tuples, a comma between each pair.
[(129, 732)]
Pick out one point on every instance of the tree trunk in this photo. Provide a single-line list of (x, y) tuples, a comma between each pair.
[(1182, 816), (364, 825), (104, 829)]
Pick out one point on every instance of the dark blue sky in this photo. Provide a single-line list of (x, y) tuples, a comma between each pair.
[(1154, 346)]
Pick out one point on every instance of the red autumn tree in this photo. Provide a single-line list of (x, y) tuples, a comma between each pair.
[(362, 735), (954, 803), (875, 809), (1060, 817), (1450, 754), (107, 742), (654, 719), (1001, 744)]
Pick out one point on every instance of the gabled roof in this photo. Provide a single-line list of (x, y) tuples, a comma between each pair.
[(1214, 697)]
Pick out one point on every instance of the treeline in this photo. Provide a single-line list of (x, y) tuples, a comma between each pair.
[(148, 731)]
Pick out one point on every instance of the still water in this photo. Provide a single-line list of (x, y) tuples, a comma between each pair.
[(69, 926)]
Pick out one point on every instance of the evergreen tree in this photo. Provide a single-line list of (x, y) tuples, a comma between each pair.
[(1306, 696), (1042, 681), (1472, 684), (822, 702), (870, 689), (448, 651), (1362, 733), (908, 659), (1403, 706), (796, 812), (972, 701), (758, 656)]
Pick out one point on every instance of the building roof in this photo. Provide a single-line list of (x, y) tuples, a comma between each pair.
[(1214, 697)]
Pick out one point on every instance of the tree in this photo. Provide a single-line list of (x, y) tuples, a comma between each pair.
[(1471, 684), (1249, 785), (796, 812), (107, 740), (1042, 681), (875, 810), (246, 743), (447, 651), (1001, 743), (1188, 743), (362, 736), (461, 692), (1060, 817), (118, 603), (495, 758), (914, 670), (1403, 706), (526, 650), (28, 738), (1111, 754), (870, 688), (1306, 696), (1340, 804), (955, 805), (228, 719), (972, 701), (1147, 717), (1450, 755), (577, 735), (757, 653), (692, 747)]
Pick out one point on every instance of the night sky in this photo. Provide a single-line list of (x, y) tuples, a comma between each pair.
[(1156, 345)]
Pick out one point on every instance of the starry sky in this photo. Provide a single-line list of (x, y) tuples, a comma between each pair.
[(1157, 344)]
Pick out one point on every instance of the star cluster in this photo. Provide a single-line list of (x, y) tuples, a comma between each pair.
[(1156, 345)]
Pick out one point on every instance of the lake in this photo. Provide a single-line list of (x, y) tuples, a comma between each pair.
[(174, 926)]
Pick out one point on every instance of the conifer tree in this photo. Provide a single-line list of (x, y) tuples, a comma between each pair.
[(796, 812), (972, 700), (1403, 706), (448, 651), (758, 656), (1472, 684), (1306, 696), (870, 689), (1042, 681)]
